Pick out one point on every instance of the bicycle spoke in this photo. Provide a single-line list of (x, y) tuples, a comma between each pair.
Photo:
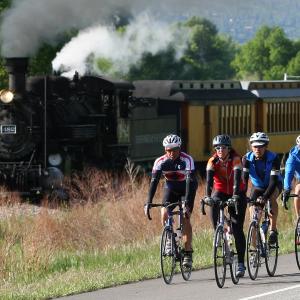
[(253, 257), (219, 257), (167, 256)]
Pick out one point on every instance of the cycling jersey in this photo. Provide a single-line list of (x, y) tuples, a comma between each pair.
[(264, 173), (292, 167), (175, 173), (261, 170), (223, 174)]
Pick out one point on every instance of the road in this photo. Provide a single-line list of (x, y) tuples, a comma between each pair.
[(285, 285)]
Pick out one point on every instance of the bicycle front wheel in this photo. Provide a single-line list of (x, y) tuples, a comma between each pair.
[(271, 257), (167, 255), (219, 256), (253, 246), (297, 242)]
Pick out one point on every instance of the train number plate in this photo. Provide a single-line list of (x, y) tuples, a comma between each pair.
[(8, 129)]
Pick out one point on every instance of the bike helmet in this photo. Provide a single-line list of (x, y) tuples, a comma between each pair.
[(172, 141), (222, 139), (259, 139), (298, 140)]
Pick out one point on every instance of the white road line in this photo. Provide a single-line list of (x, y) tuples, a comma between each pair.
[(270, 293)]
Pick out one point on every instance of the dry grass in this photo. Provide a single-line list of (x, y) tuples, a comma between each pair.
[(105, 211)]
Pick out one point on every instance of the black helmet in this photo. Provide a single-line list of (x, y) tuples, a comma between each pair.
[(172, 141), (222, 139)]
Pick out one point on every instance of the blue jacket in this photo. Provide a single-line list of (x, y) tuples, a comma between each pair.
[(292, 167), (268, 164)]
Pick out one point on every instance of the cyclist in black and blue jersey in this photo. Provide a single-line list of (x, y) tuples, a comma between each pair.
[(292, 169), (175, 165), (263, 167)]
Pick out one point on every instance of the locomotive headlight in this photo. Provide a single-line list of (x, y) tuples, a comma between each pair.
[(55, 159), (6, 96)]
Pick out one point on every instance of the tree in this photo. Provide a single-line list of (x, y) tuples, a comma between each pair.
[(266, 56), (207, 56)]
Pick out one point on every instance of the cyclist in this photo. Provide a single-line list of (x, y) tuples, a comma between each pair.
[(263, 167), (223, 177), (174, 166), (292, 168)]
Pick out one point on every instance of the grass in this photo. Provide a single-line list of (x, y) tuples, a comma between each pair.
[(101, 239)]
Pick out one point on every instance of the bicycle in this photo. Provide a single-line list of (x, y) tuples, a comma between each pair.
[(224, 244), (296, 234), (258, 245), (169, 259)]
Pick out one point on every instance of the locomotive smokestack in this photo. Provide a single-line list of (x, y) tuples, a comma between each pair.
[(17, 69)]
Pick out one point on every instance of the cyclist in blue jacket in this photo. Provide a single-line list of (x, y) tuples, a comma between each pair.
[(175, 165), (263, 168), (292, 169)]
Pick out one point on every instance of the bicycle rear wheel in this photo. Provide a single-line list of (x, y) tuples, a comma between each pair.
[(219, 256), (297, 242), (271, 257), (253, 246), (185, 270), (167, 255), (234, 262)]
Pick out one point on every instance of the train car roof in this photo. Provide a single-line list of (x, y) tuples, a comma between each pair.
[(273, 88), (198, 92)]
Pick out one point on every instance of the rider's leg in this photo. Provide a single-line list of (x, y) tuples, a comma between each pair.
[(274, 208), (187, 234), (238, 228), (297, 200)]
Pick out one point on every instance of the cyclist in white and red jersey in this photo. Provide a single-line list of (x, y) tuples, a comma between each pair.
[(175, 166)]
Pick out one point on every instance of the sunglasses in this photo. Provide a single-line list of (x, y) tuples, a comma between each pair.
[(221, 147)]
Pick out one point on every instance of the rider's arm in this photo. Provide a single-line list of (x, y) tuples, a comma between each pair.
[(275, 172), (245, 174), (237, 174), (156, 174), (290, 167), (210, 171)]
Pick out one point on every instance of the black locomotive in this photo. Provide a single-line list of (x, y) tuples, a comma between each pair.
[(51, 125)]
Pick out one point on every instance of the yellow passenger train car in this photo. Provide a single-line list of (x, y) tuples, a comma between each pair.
[(209, 108)]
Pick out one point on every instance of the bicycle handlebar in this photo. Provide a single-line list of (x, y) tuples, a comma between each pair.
[(231, 202), (166, 205), (285, 203), (258, 203)]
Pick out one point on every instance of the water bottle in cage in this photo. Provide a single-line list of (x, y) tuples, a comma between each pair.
[(264, 226), (262, 234), (178, 235), (229, 238)]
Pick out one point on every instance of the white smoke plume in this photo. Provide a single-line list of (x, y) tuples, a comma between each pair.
[(29, 23), (120, 51)]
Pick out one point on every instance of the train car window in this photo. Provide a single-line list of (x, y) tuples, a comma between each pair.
[(180, 85), (235, 119), (222, 85), (211, 85), (191, 85), (123, 105), (201, 85), (283, 116), (232, 85)]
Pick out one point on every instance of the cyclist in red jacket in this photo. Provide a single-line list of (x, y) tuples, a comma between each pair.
[(223, 177)]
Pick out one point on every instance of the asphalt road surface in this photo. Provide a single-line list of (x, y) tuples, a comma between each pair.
[(284, 285)]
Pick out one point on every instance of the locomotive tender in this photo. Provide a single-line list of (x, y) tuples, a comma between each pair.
[(50, 125)]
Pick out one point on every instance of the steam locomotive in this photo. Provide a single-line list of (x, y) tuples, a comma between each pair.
[(51, 125)]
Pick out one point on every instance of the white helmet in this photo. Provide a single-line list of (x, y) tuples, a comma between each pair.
[(259, 139), (172, 141), (298, 140)]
